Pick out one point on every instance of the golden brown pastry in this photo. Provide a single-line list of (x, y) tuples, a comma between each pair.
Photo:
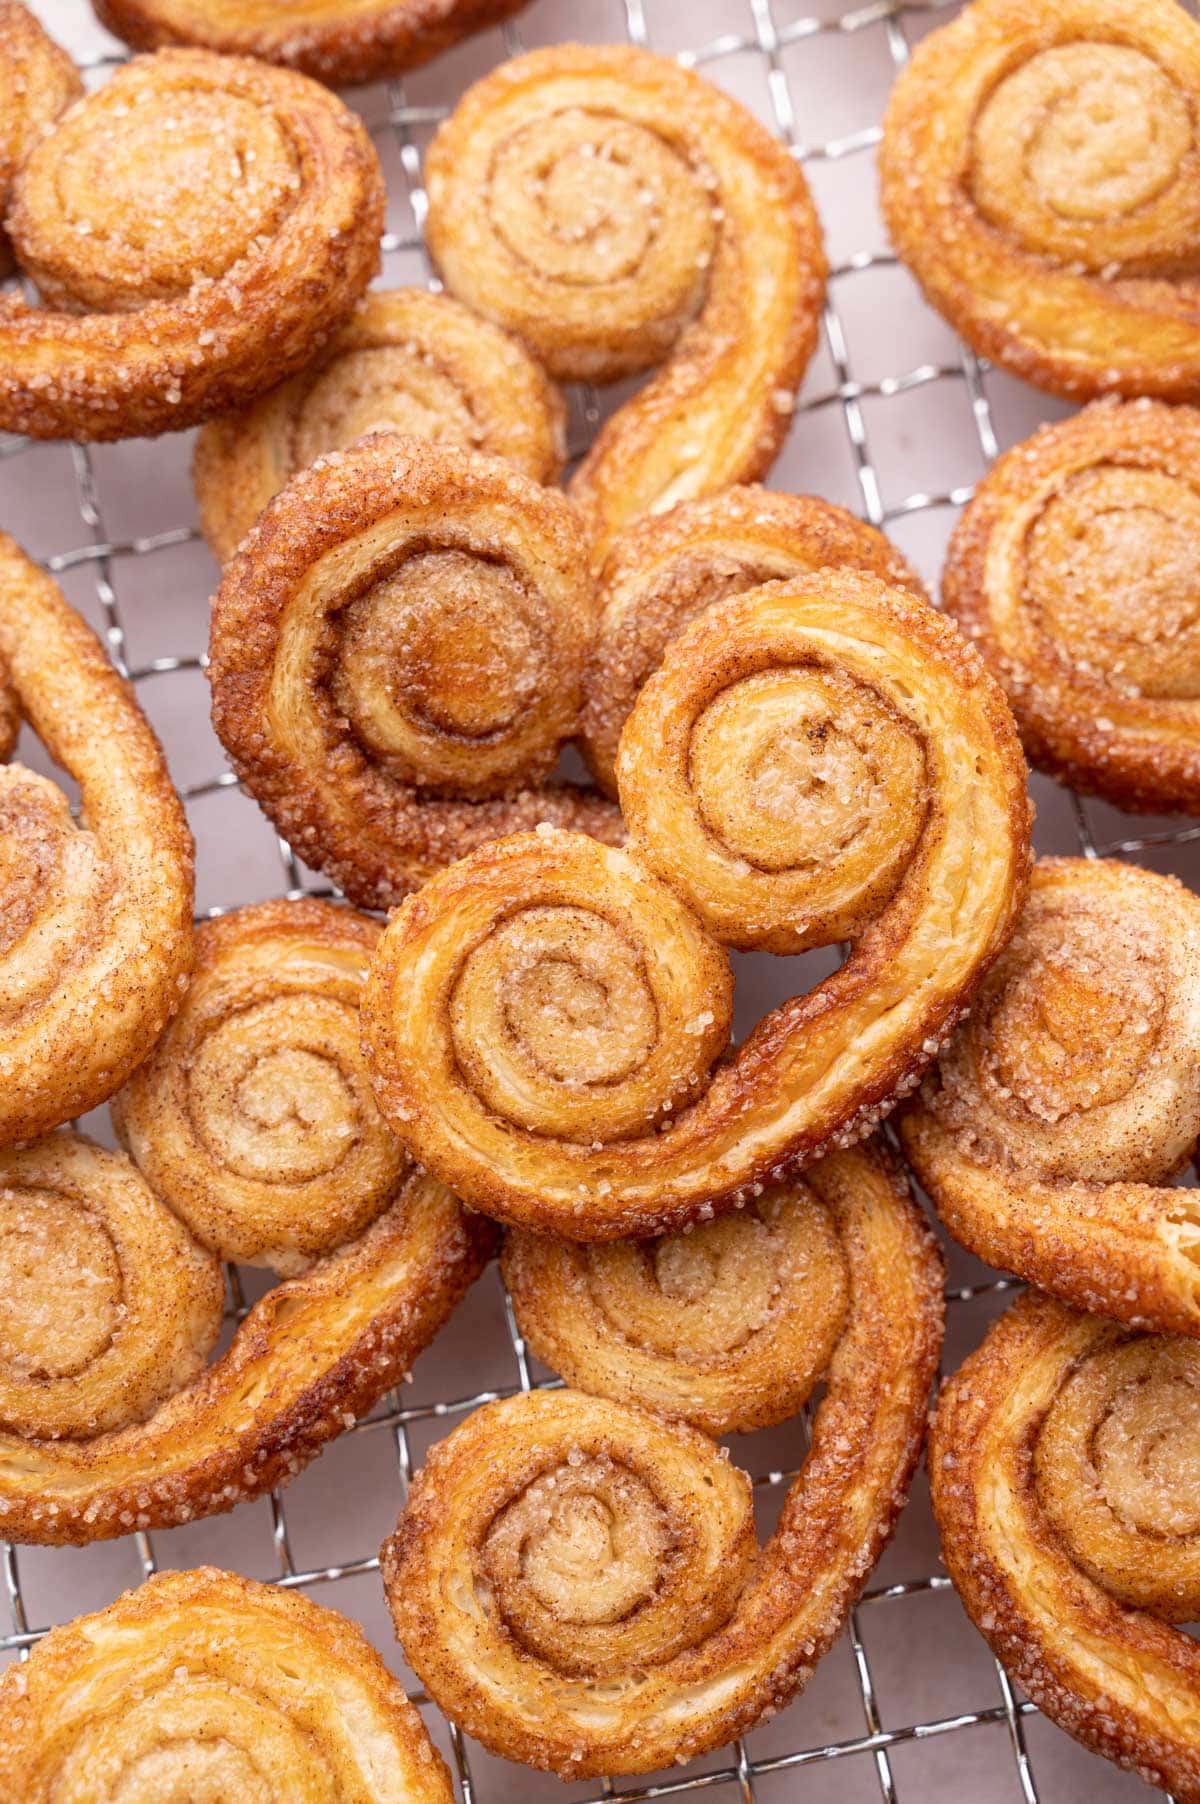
[(37, 80), (664, 570), (312, 1355), (397, 657), (616, 212), (202, 1686), (197, 228), (95, 914), (1075, 570), (338, 41), (819, 759), (727, 1326), (1040, 174), (253, 1117), (107, 1305), (1063, 1463), (1060, 1112), (406, 361), (576, 1581)]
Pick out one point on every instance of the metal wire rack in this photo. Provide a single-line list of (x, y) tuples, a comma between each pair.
[(902, 1722)]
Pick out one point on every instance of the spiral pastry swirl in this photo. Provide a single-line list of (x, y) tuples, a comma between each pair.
[(1040, 175), (202, 1686), (253, 1117), (816, 760), (616, 211), (343, 42), (95, 918), (40, 80), (313, 1354), (397, 656), (1063, 1463), (107, 1305), (728, 1326), (197, 228), (1063, 1107), (665, 570), (406, 361), (1074, 570), (576, 1580)]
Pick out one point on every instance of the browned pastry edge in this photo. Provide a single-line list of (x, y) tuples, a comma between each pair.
[(385, 38), (387, 845), (314, 1353), (171, 362), (1085, 728), (1117, 1679)]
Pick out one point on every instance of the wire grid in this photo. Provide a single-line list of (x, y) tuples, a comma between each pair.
[(404, 121)]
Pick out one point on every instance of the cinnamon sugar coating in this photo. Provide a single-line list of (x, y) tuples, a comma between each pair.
[(1040, 169), (617, 212), (205, 1686), (39, 80), (727, 1326), (1075, 570), (197, 228), (95, 914), (1064, 1462), (253, 1117), (397, 656), (406, 361), (339, 41), (818, 759), (1064, 1106), (641, 1624), (665, 570)]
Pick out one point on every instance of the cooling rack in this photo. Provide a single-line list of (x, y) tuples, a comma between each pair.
[(897, 420)]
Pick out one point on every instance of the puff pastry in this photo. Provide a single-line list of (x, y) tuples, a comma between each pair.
[(1074, 570), (96, 915), (819, 759), (39, 81), (1060, 1112), (397, 656), (1062, 1462), (339, 41), (616, 212), (1039, 173), (664, 570), (253, 1117), (197, 228), (727, 1326), (577, 1581), (407, 361), (200, 1685), (312, 1355)]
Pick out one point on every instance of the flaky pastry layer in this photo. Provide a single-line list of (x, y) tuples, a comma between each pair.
[(617, 212), (39, 81), (397, 657), (820, 759), (577, 1580)]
